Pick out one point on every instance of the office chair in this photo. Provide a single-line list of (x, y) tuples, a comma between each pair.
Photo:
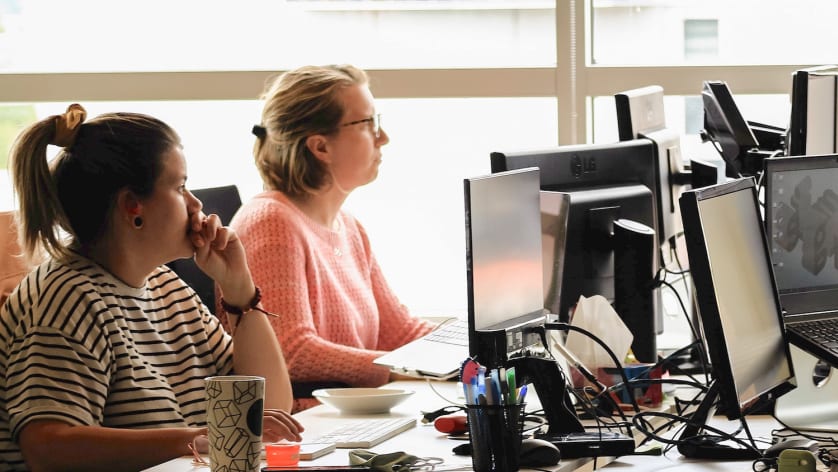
[(223, 201)]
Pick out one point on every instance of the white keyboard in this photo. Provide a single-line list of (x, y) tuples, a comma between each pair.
[(365, 433)]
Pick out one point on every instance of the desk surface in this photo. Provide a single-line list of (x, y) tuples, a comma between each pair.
[(425, 441)]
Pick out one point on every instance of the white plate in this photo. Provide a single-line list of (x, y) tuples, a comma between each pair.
[(362, 401)]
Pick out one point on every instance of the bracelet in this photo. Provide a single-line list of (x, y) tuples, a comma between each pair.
[(253, 305)]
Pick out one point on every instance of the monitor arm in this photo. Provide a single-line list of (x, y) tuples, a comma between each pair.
[(549, 382)]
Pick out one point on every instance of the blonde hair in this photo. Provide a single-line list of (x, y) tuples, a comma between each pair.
[(298, 104), (76, 192)]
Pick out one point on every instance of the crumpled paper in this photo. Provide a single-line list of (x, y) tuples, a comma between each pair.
[(596, 315)]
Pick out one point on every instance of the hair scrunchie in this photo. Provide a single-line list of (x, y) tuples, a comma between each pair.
[(259, 131), (67, 125)]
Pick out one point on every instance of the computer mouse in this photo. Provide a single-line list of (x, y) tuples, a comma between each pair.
[(797, 443), (538, 453)]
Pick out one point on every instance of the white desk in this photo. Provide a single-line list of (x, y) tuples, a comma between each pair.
[(425, 441)]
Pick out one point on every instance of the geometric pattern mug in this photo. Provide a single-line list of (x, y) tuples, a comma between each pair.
[(235, 405)]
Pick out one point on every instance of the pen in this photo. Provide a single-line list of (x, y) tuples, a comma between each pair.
[(522, 393), (495, 386), (474, 391), (504, 386), (512, 385), (489, 392)]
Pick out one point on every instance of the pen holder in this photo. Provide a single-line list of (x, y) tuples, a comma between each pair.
[(495, 435)]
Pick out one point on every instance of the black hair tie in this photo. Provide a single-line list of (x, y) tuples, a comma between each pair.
[(259, 131)]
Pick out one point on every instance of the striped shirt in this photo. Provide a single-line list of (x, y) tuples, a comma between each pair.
[(79, 346)]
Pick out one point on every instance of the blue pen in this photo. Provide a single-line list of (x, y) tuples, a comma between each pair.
[(522, 393)]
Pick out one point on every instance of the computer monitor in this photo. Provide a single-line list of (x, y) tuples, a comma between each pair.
[(640, 114), (801, 206), (503, 264), (728, 130), (739, 308), (506, 315), (604, 182), (814, 103)]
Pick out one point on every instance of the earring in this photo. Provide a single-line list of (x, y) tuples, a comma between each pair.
[(138, 222)]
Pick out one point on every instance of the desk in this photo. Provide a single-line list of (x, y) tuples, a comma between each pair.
[(424, 440)]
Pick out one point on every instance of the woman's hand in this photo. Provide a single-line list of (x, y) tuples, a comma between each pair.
[(220, 254), (278, 425)]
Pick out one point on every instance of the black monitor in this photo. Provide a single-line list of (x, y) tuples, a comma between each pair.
[(503, 264), (814, 103), (640, 114), (739, 309), (604, 183), (725, 126)]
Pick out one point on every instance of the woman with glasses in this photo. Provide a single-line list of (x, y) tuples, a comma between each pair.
[(103, 349), (320, 138)]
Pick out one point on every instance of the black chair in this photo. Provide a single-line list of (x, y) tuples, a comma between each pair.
[(223, 201)]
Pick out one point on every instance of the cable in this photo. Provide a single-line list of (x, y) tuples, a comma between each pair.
[(601, 343), (441, 395)]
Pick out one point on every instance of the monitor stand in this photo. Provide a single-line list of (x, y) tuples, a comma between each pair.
[(694, 444), (565, 430), (810, 407)]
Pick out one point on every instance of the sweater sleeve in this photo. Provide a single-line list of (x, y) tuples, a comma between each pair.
[(280, 259)]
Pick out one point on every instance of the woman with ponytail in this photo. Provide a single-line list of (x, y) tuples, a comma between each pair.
[(320, 138), (103, 349)]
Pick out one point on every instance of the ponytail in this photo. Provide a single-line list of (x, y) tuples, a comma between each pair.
[(40, 214)]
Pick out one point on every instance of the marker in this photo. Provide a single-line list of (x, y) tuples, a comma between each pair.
[(512, 385), (504, 386)]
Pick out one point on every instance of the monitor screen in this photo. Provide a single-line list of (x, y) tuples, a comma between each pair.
[(503, 263), (736, 295), (801, 220), (728, 130), (604, 183)]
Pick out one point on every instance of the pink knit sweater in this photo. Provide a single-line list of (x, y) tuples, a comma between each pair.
[(336, 311)]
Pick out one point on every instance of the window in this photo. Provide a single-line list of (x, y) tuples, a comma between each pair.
[(201, 35), (454, 79), (701, 40)]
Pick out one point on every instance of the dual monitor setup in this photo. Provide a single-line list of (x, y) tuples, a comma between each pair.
[(547, 227)]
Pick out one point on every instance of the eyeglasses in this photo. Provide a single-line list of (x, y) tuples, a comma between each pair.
[(374, 121)]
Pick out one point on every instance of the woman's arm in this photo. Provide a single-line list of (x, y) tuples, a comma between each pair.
[(256, 351), (56, 446), (219, 253)]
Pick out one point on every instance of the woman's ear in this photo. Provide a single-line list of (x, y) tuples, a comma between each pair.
[(128, 205), (318, 146)]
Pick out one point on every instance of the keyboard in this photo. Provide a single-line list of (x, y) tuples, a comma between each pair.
[(365, 433), (824, 331), (454, 332)]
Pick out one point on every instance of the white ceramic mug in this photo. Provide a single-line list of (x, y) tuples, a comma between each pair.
[(235, 406)]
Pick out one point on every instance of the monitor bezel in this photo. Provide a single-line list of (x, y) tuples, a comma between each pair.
[(708, 304), (494, 345)]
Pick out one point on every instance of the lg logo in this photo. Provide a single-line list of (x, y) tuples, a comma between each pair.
[(580, 166)]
